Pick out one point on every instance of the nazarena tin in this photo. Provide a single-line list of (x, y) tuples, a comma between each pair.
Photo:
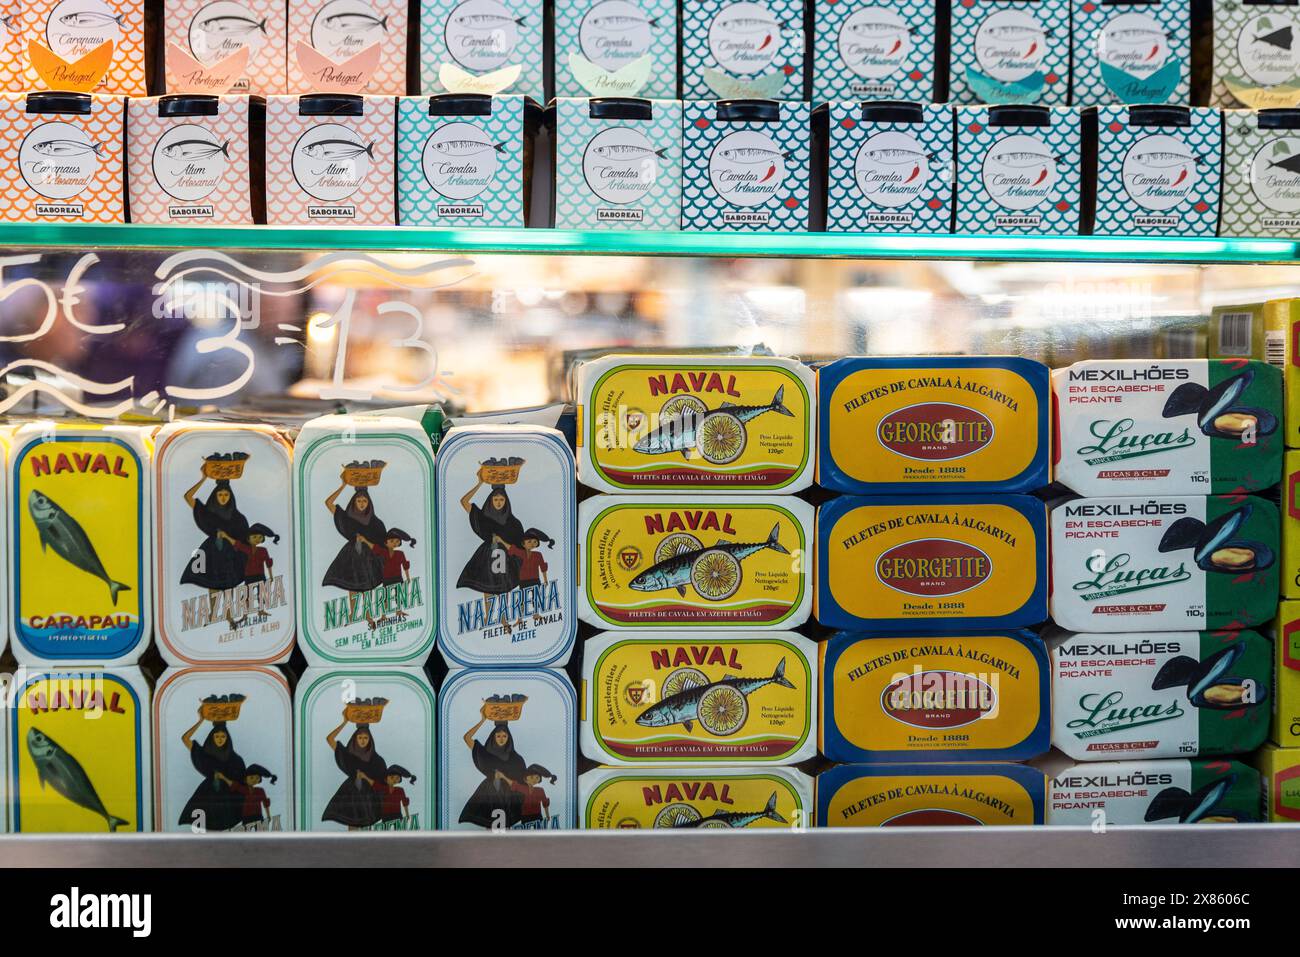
[(687, 798)]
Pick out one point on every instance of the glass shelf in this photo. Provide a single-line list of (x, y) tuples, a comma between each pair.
[(609, 243)]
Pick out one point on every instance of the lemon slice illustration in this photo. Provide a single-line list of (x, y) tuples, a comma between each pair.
[(716, 575), (680, 404), (720, 438), (683, 679), (723, 710), (675, 815), (678, 543), (714, 824)]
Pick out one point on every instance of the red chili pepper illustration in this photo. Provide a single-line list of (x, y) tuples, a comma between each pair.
[(894, 48), (1041, 176), (766, 40), (1030, 52), (1181, 176), (916, 171), (1154, 50), (771, 171)]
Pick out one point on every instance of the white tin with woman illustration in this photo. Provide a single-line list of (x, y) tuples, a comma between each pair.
[(363, 510), (507, 750), (506, 520), (224, 554), (223, 750), (364, 749)]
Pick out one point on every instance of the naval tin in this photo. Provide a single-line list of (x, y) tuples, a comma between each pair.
[(930, 795), (81, 534), (507, 525), (364, 742), (688, 798), (224, 556), (79, 746), (934, 698), (507, 750), (1160, 694), (1164, 563), (724, 562), (1173, 426), (922, 563), (364, 509), (223, 750), (1198, 791), (692, 423), (698, 698), (944, 424)]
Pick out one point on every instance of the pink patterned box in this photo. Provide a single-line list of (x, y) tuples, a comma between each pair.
[(211, 30), (330, 158), (72, 28), (194, 159), (340, 29)]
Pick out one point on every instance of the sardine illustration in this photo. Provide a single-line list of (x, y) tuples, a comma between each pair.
[(1167, 159), (722, 559), (627, 151), (62, 772), (355, 22), (1014, 31), (720, 706), (744, 25), (466, 147), (1136, 36), (880, 31), (719, 435), (67, 148), (1277, 38), (733, 818), (481, 22), (337, 149), (751, 155), (621, 23), (195, 149), (897, 156), (1020, 159), (60, 531), (91, 20), (232, 26)]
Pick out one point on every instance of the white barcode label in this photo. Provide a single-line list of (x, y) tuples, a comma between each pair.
[(1275, 347), (1184, 344), (1234, 333)]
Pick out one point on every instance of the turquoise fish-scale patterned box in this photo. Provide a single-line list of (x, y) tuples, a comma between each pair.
[(1131, 52), (616, 48), (745, 175), (474, 41), (1261, 178), (1157, 180), (618, 173), (889, 176), (865, 50), (1010, 51), (1018, 178), (750, 49), (460, 170)]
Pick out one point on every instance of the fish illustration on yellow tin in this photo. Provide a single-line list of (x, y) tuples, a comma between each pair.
[(720, 707), (677, 798), (63, 534), (64, 775), (686, 425), (686, 816), (713, 570)]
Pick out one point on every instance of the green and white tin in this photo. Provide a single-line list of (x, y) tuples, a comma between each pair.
[(1261, 173), (1197, 791), (616, 48), (1010, 51), (868, 50), (1256, 59), (482, 46), (1131, 52), (745, 49)]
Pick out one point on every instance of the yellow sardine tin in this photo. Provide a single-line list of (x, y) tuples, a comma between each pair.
[(80, 529), (79, 744), (696, 423), (952, 423), (930, 795), (698, 697), (930, 698), (931, 563), (710, 561), (688, 798)]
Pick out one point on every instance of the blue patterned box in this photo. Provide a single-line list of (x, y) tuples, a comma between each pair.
[(1131, 52), (1261, 173), (1010, 51), (616, 48), (863, 50), (460, 160), (1018, 170), (890, 168), (1158, 171), (742, 50), (482, 46), (618, 164), (745, 165)]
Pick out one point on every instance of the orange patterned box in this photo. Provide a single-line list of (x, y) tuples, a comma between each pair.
[(195, 159), (12, 47), (340, 30), (212, 31), (330, 158), (61, 157), (73, 28)]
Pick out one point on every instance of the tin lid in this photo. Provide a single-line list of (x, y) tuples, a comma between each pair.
[(187, 104), (621, 108), (751, 111), (892, 111), (1278, 118), (331, 104), (1160, 115), (460, 104), (56, 102), (1020, 116)]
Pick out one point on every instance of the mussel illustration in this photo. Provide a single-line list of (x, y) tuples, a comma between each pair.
[(1217, 549), (1216, 410), (1210, 683), (1196, 807)]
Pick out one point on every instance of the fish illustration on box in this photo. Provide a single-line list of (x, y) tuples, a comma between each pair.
[(59, 770), (686, 425), (61, 532), (714, 571), (686, 816), (721, 707), (689, 798)]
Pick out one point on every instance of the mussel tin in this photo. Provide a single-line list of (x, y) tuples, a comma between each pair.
[(688, 798), (1197, 791), (930, 795)]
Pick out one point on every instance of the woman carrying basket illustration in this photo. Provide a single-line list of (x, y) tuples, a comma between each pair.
[(216, 564), (357, 568), (492, 569)]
